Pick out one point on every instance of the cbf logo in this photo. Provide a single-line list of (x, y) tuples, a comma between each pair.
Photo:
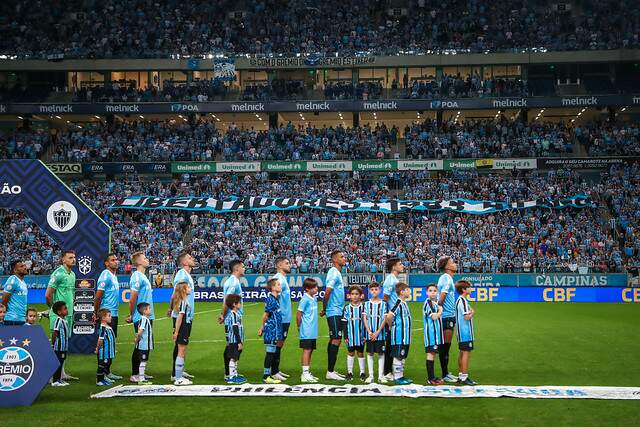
[(16, 366), (84, 264), (62, 216)]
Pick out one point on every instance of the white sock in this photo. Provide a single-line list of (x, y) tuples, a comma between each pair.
[(350, 364), (233, 368), (370, 364), (361, 364), (179, 367), (305, 370), (380, 365), (462, 376), (143, 366), (397, 368)]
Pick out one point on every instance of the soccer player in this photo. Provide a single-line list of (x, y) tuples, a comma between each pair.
[(183, 275), (32, 316), (307, 321), (374, 314), (143, 343), (399, 317), (61, 287), (141, 292), (234, 332), (105, 348), (394, 268), (60, 340), (283, 267), (108, 297), (333, 303), (271, 329), (354, 331), (181, 329), (464, 331), (433, 333), (231, 287), (15, 295), (446, 300)]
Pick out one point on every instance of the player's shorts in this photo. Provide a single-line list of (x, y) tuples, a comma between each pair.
[(465, 345), (232, 351), (308, 344), (285, 330), (377, 346), (432, 349), (144, 354), (184, 333), (335, 327), (400, 351), (448, 323), (356, 348)]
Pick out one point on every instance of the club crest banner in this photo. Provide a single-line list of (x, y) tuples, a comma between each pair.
[(241, 204)]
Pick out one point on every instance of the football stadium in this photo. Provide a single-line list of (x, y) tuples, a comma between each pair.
[(288, 212)]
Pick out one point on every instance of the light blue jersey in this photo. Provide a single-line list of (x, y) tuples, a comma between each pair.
[(140, 283), (232, 287), (352, 316), (108, 338), (108, 282), (233, 328), (464, 328), (389, 289), (401, 324), (433, 334), (308, 306), (183, 276), (146, 338), (17, 309), (445, 285), (284, 298), (334, 281)]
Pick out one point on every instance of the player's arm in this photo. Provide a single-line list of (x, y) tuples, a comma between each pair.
[(51, 290), (392, 313), (385, 296), (99, 344), (179, 321), (54, 336), (265, 316), (139, 333), (366, 324), (382, 325), (298, 318), (5, 298), (325, 301), (235, 327), (443, 295), (96, 303), (133, 299), (171, 300), (223, 312)]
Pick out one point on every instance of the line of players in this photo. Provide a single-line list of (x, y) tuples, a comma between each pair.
[(383, 326)]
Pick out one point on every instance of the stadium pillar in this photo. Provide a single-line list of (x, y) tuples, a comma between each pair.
[(273, 120), (356, 119)]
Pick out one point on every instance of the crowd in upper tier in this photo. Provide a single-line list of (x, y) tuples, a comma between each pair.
[(511, 241), (146, 29)]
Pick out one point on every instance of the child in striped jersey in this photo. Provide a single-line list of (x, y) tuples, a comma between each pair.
[(234, 332), (105, 348), (399, 317), (354, 331), (60, 340), (143, 343), (433, 332), (464, 330), (374, 312)]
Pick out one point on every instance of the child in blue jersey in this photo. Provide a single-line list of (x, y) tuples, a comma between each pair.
[(464, 330), (60, 340), (271, 329), (105, 348), (307, 320), (354, 330), (143, 343), (399, 317), (234, 333), (433, 332), (374, 314), (32, 316), (183, 310)]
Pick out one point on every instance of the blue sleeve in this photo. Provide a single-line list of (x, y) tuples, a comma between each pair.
[(102, 282), (395, 306), (269, 307), (304, 302), (345, 313), (179, 277), (9, 286), (331, 280), (386, 288), (442, 285), (135, 282)]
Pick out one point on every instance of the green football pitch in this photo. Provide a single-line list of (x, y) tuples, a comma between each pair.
[(517, 344)]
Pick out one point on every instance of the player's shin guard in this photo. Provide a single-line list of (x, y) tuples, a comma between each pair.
[(444, 358), (141, 369), (268, 362), (233, 372), (381, 363), (431, 374), (135, 362), (350, 364), (332, 356), (370, 364), (179, 367), (173, 361), (275, 368), (226, 364), (361, 364), (397, 368)]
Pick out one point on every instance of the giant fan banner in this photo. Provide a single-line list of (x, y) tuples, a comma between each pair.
[(241, 204)]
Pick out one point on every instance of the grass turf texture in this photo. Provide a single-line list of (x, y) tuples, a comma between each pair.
[(517, 344)]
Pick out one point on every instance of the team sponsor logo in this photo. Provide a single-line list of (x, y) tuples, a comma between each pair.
[(56, 108), (84, 295), (380, 105), (84, 264), (87, 329), (96, 167), (184, 108), (122, 108), (245, 106), (65, 168), (82, 306), (576, 101), (509, 103), (16, 366), (312, 106), (84, 284), (62, 216), (436, 105)]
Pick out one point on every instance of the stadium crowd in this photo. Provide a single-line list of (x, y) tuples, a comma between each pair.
[(141, 29), (511, 241)]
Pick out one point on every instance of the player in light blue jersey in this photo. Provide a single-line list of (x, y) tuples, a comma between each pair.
[(108, 291), (307, 320), (60, 340), (105, 348), (14, 296), (464, 331), (141, 293), (433, 333), (354, 335), (283, 267), (231, 286), (143, 344), (183, 275), (400, 319), (333, 303), (374, 314), (447, 299), (234, 332), (394, 268)]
